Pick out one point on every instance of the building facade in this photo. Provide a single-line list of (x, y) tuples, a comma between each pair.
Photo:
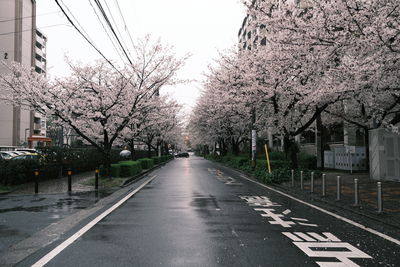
[(20, 42)]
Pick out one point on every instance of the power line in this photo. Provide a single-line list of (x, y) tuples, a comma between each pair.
[(125, 27), (112, 28), (48, 26), (80, 32), (116, 26), (109, 37), (66, 7), (44, 14)]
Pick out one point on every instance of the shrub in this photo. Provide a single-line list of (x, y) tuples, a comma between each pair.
[(146, 163), (157, 160), (307, 161), (130, 168), (13, 172), (115, 170), (277, 155)]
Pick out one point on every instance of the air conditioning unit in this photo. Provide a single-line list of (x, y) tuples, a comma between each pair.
[(384, 155)]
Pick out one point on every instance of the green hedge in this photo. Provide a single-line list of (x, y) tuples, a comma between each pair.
[(157, 160), (146, 163), (115, 170), (57, 160), (280, 171), (130, 168)]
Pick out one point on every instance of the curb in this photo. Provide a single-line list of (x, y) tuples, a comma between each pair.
[(135, 178), (331, 204)]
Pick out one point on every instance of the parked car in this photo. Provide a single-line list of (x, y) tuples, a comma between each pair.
[(29, 150), (182, 155), (6, 154), (26, 156)]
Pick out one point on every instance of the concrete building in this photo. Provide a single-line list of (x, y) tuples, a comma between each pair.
[(20, 42), (39, 121)]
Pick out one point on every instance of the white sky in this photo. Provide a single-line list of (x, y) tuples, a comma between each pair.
[(198, 27)]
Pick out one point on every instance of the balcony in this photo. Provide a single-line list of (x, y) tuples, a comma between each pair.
[(40, 52)]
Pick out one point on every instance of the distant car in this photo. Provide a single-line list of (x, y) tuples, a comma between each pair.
[(182, 155), (35, 156)]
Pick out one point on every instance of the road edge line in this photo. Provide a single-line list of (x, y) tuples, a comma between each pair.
[(372, 231), (53, 253)]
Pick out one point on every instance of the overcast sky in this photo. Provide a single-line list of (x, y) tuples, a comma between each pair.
[(199, 27)]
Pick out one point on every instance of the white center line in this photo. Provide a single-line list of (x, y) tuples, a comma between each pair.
[(372, 231), (49, 256)]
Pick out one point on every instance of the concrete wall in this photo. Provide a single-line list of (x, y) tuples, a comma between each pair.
[(16, 46)]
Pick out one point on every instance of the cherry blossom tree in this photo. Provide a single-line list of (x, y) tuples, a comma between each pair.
[(322, 53), (98, 100)]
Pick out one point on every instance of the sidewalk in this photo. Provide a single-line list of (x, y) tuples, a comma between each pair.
[(59, 185), (367, 195)]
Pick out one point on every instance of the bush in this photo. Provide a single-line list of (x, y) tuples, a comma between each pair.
[(277, 155), (307, 161), (130, 168), (13, 172), (146, 163), (115, 170), (157, 160), (280, 171)]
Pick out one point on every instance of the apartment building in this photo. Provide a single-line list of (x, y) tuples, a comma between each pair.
[(20, 41)]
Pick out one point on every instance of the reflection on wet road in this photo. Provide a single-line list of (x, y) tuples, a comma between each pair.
[(196, 213), (21, 216)]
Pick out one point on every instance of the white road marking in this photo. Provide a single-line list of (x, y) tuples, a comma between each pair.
[(292, 236), (327, 247), (343, 256), (49, 256), (276, 218), (308, 224), (298, 219), (356, 224), (286, 212), (305, 236), (329, 237)]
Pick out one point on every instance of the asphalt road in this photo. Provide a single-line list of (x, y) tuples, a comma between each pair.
[(196, 213)]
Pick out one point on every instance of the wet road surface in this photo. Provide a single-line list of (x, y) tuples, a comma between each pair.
[(196, 213), (23, 215)]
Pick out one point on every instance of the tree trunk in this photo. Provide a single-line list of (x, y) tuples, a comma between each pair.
[(235, 147), (291, 150), (366, 141), (148, 150), (107, 159), (320, 143), (131, 145)]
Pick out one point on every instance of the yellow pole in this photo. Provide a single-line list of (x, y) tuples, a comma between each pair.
[(266, 154)]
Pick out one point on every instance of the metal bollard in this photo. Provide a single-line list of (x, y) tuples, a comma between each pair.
[(301, 180), (96, 180), (36, 173), (338, 188), (380, 206), (356, 200), (324, 185), (312, 182), (292, 178), (69, 172)]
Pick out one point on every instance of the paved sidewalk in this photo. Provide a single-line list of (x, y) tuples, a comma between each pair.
[(367, 195), (59, 185)]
